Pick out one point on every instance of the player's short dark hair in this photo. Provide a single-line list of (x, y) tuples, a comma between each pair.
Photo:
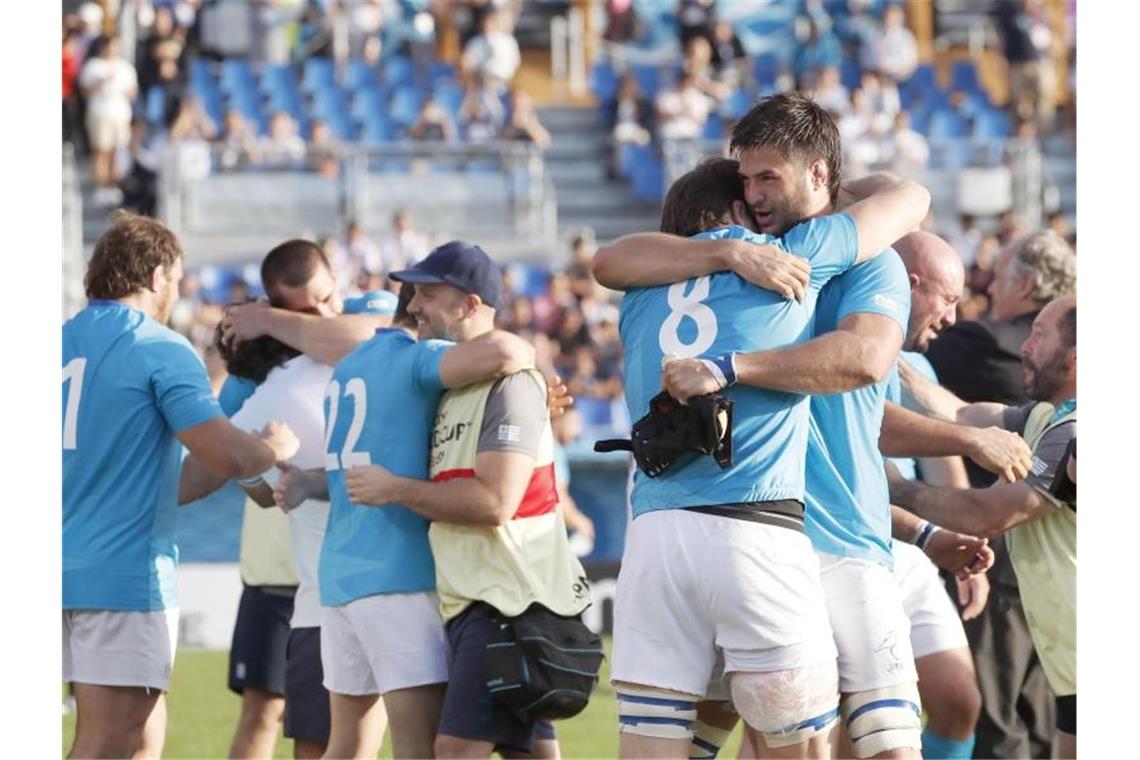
[(407, 293), (253, 359), (797, 128), (702, 198), (127, 254), (1067, 326), (291, 264)]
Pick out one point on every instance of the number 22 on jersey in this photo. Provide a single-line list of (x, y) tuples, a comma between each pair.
[(72, 373), (689, 305), (346, 458)]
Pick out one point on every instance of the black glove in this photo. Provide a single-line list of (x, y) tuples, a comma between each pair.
[(671, 428)]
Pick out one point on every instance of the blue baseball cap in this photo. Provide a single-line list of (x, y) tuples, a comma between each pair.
[(460, 264), (381, 302)]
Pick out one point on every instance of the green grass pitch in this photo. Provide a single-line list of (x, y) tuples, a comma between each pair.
[(202, 714)]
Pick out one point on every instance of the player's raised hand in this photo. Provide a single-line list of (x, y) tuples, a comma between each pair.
[(244, 321), (558, 398), (772, 269), (973, 593), (1001, 452), (371, 484), (292, 487), (685, 378), (278, 436), (959, 553)]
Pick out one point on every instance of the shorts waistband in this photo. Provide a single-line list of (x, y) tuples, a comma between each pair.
[(783, 513)]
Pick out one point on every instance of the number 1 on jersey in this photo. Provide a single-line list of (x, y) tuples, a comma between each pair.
[(346, 458), (73, 372)]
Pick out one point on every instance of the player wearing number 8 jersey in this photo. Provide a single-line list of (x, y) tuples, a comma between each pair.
[(381, 633), (691, 580)]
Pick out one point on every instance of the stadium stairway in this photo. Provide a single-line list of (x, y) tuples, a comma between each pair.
[(576, 163)]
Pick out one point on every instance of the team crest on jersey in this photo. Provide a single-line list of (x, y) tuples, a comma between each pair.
[(886, 302)]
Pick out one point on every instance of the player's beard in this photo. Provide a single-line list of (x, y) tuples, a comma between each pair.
[(1044, 382), (785, 215)]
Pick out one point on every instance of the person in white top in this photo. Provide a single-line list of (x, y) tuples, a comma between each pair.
[(494, 54), (684, 110), (894, 51), (110, 85)]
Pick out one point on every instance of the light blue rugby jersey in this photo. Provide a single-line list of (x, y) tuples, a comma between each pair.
[(379, 409), (908, 466), (717, 314), (129, 385), (848, 508)]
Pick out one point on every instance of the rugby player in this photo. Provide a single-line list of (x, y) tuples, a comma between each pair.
[(691, 578), (498, 539), (381, 632), (134, 392), (1037, 515)]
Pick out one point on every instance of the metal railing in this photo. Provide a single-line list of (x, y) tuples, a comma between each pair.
[(503, 186)]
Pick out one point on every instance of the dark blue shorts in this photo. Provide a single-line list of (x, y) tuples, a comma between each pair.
[(261, 633), (469, 712), (307, 714)]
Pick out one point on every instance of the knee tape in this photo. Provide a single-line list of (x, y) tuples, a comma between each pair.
[(882, 719), (788, 706), (655, 712), (707, 741)]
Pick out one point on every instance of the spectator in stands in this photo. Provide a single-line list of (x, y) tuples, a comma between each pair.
[(433, 123), (238, 140), (966, 239), (882, 95), (1059, 224), (1011, 226), (894, 51), (365, 22), (522, 121), (191, 122), (71, 122), (728, 56), (632, 115), (698, 63), (90, 30), (1027, 41), (110, 85), (830, 93), (623, 25), (862, 130), (315, 36), (572, 332), (140, 185), (903, 148), (683, 110), (324, 149), (354, 253), (161, 61), (818, 51), (695, 18), (481, 112), (405, 245), (549, 307), (493, 54), (567, 428), (979, 275), (282, 147)]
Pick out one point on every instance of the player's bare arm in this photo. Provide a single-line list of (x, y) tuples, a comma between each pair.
[(645, 259), (954, 552), (219, 451), (860, 352), (939, 402), (295, 485), (909, 434), (326, 339), (490, 355), (986, 512), (884, 208), (490, 498)]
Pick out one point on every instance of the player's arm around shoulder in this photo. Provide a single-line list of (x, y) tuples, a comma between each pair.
[(220, 451), (884, 208), (490, 355)]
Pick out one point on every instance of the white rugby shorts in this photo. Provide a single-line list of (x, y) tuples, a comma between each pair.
[(120, 648), (691, 583), (935, 625), (872, 632), (383, 642)]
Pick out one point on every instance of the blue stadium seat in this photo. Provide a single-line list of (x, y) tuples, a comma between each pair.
[(765, 68), (236, 74), (604, 80), (647, 179), (398, 72), (596, 412), (947, 124), (438, 71), (992, 123), (964, 76), (156, 106), (714, 128), (318, 74), (360, 75), (405, 106), (921, 81), (449, 96), (648, 78), (954, 155), (377, 128), (849, 73), (735, 105)]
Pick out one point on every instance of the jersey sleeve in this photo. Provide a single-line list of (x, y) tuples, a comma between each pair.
[(829, 243), (1014, 418), (181, 389), (429, 353), (882, 287), (515, 416), (1047, 456), (235, 391)]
